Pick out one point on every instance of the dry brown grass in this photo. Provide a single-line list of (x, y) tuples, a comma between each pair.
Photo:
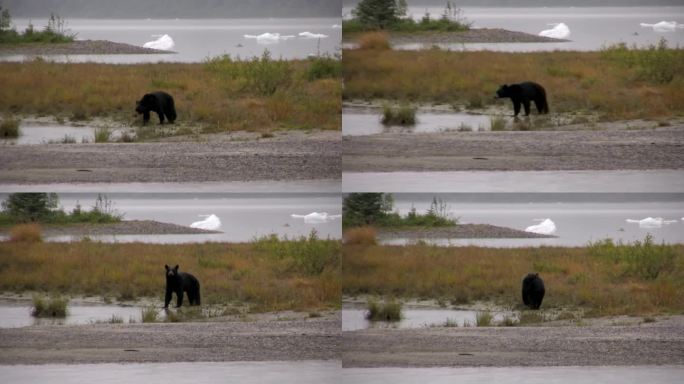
[(248, 273), (26, 233), (374, 40), (360, 235), (204, 94), (573, 277), (586, 81)]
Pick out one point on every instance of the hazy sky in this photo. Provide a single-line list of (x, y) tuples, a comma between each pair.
[(174, 8)]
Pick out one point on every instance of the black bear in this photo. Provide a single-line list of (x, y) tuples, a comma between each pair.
[(160, 102), (180, 282), (533, 290), (523, 93)]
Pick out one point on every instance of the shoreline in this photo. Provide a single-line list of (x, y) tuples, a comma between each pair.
[(124, 227), (460, 231), (475, 35), (78, 47)]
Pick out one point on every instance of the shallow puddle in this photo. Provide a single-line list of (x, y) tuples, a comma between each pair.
[(526, 375), (359, 121), (244, 372), (652, 181), (355, 318), (14, 315), (57, 134)]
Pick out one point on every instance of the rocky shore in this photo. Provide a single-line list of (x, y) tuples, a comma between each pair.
[(462, 231), (79, 47)]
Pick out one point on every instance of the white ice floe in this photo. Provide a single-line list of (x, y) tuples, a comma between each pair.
[(211, 223), (663, 26), (652, 222), (336, 26), (546, 227), (309, 35), (316, 217), (559, 31), (163, 42), (269, 38)]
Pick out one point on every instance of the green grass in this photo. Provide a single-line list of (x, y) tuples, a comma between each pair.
[(115, 320), (387, 311), (49, 306), (497, 123), (149, 314), (9, 129), (402, 115), (484, 319), (642, 259), (103, 135)]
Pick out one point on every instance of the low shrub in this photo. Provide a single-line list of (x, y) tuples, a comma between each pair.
[(402, 115), (387, 311), (49, 307), (9, 129), (374, 41), (360, 235), (26, 233)]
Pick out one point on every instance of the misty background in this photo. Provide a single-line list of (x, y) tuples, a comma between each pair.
[(134, 9), (536, 3)]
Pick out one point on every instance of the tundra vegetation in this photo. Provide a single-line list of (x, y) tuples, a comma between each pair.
[(371, 15), (601, 279), (267, 274), (375, 209), (222, 94), (54, 32), (617, 82), (43, 208)]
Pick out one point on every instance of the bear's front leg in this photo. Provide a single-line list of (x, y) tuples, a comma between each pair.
[(167, 298), (146, 117), (179, 294), (526, 104), (516, 107)]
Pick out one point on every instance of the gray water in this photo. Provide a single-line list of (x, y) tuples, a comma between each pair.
[(654, 181), (243, 216), (52, 133), (591, 28), (359, 121), (354, 319), (578, 219), (197, 39), (244, 372), (514, 375), (14, 315)]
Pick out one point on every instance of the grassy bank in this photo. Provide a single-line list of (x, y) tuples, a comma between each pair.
[(267, 274), (222, 94), (603, 279), (617, 83)]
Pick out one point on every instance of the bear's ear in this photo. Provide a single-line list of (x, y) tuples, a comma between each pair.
[(536, 274), (175, 268), (166, 266)]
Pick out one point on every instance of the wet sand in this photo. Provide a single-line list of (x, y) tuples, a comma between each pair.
[(264, 340), (288, 156), (126, 227), (659, 343), (617, 149), (79, 47)]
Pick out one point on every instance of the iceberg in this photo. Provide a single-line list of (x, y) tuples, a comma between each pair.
[(212, 223), (663, 26), (546, 227), (316, 217), (309, 35), (269, 38), (652, 222), (163, 42), (559, 31), (336, 26)]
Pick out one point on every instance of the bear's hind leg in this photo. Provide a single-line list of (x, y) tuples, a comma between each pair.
[(161, 117), (526, 104), (179, 294), (516, 107)]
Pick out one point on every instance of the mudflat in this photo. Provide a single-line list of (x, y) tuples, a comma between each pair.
[(264, 340), (658, 343), (290, 156), (615, 149)]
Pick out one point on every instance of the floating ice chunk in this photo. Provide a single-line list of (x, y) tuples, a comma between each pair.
[(269, 38), (559, 31), (663, 26), (316, 217), (546, 227), (164, 42), (336, 26), (309, 35), (652, 222), (211, 223)]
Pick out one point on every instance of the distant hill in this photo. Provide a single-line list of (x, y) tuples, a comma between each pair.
[(173, 8)]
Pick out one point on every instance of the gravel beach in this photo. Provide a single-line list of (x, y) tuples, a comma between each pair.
[(475, 35), (461, 231), (79, 47), (619, 149), (266, 340), (286, 157), (658, 343), (126, 227)]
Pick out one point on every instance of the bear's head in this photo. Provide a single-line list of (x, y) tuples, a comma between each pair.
[(171, 272), (143, 105), (504, 91)]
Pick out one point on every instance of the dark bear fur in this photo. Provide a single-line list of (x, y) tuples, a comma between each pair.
[(180, 282), (159, 102), (523, 93), (533, 290)]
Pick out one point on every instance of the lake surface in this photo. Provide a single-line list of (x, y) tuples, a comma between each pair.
[(515, 181), (526, 375), (354, 319), (31, 133), (244, 372), (197, 39), (579, 218), (18, 314), (361, 121), (243, 216), (591, 28)]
